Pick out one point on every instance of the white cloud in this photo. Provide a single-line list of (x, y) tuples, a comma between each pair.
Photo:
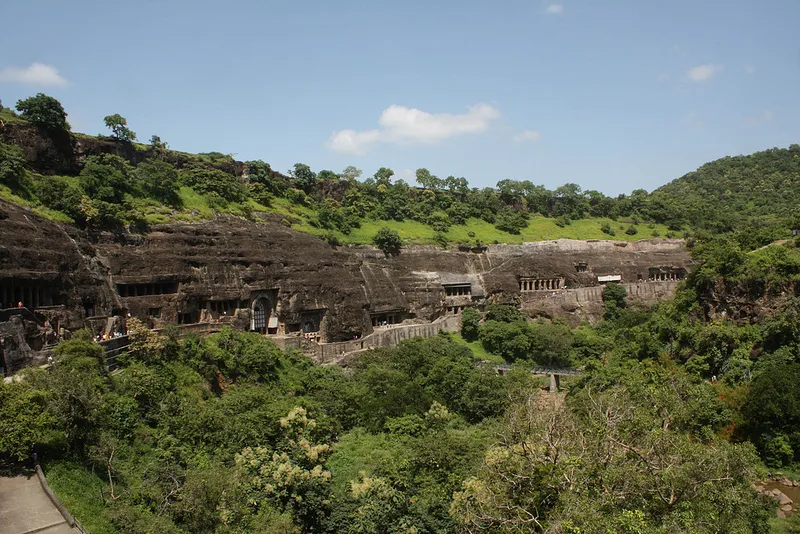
[(750, 68), (764, 118), (554, 9), (703, 73), (402, 125), (35, 74), (527, 135), (353, 142)]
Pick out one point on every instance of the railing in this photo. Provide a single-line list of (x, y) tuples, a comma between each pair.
[(536, 370), (68, 517), (7, 313)]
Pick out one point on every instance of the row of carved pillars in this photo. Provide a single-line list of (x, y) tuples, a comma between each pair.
[(30, 296), (541, 285), (663, 277)]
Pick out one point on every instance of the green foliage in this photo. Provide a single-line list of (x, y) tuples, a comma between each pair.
[(772, 413), (106, 178), (504, 313), (291, 478), (726, 193), (119, 127), (59, 193), (12, 168), (597, 466), (157, 143), (406, 380), (631, 230), (606, 229), (388, 241), (511, 222), (24, 422), (158, 180), (304, 176), (470, 322), (207, 180), (44, 111), (614, 299)]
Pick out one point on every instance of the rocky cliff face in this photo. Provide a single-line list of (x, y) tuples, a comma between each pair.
[(266, 277)]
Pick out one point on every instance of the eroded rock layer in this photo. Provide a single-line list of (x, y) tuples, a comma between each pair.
[(265, 277)]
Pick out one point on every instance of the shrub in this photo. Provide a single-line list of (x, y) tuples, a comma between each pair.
[(12, 167), (56, 192), (563, 221), (631, 230), (296, 196), (206, 180), (260, 193), (388, 241), (332, 239), (511, 221), (606, 229), (159, 180), (440, 239)]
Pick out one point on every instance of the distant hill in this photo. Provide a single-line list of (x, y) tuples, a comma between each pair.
[(730, 192)]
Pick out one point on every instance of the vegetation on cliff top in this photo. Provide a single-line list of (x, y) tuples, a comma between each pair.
[(344, 209)]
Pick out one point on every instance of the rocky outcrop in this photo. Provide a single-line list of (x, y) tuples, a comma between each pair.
[(266, 277)]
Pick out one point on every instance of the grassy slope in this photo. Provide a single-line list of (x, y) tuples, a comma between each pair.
[(80, 491), (478, 352), (539, 229)]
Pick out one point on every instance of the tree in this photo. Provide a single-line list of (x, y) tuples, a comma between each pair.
[(119, 126), (772, 413), (106, 177), (351, 174), (157, 143), (612, 459), (383, 176), (306, 178), (388, 241), (12, 166), (44, 111), (614, 299), (24, 420), (293, 477), (470, 319), (159, 180), (428, 180)]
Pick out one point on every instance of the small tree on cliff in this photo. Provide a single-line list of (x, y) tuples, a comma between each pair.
[(45, 111), (614, 299), (388, 241), (470, 319), (119, 127)]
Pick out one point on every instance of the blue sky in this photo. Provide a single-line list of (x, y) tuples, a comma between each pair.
[(612, 95)]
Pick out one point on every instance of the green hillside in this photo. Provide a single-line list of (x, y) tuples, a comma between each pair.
[(727, 193)]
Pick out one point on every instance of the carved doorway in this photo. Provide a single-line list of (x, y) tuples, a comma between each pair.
[(261, 312)]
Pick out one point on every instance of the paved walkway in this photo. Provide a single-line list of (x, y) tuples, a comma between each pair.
[(25, 508)]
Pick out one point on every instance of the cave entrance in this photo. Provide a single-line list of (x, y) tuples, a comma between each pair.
[(261, 315)]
